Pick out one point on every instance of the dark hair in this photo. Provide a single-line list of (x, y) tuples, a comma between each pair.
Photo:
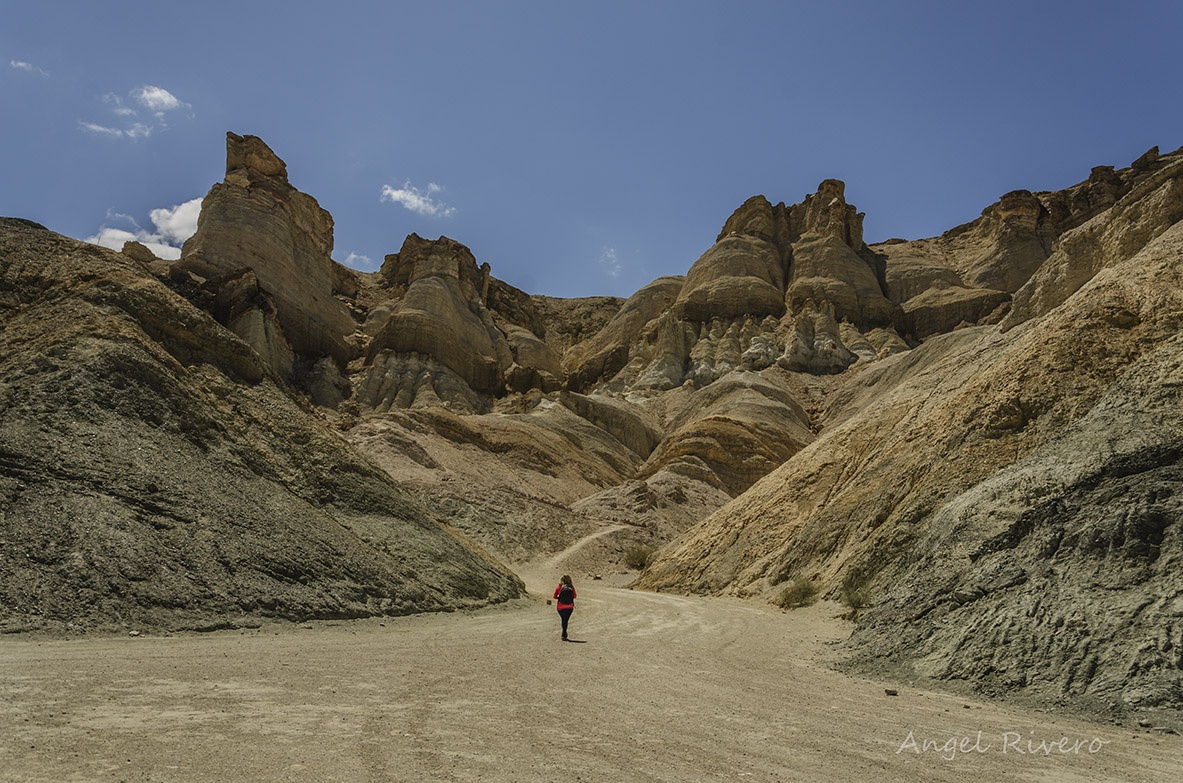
[(566, 580)]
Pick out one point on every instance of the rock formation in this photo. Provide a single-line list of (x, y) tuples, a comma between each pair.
[(255, 220), (969, 274), (1007, 498), (976, 435), (443, 306), (156, 472)]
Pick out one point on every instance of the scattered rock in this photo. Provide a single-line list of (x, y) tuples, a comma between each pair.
[(138, 252)]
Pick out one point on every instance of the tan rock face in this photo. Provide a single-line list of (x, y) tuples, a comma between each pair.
[(739, 275), (827, 270), (980, 431), (1003, 248), (1153, 203), (1007, 499), (155, 473), (781, 285), (256, 220), (772, 259), (249, 312), (607, 352), (138, 252), (434, 319), (443, 306), (940, 310), (734, 432)]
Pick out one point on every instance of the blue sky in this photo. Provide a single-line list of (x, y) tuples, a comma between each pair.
[(579, 148)]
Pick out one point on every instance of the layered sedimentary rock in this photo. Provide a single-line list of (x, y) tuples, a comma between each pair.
[(1006, 499), (769, 259), (604, 354), (155, 471), (435, 316), (784, 286), (932, 295), (439, 305), (739, 275), (733, 432), (969, 274), (1151, 203), (977, 433), (256, 220)]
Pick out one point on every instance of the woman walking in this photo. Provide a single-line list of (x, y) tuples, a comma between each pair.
[(565, 599)]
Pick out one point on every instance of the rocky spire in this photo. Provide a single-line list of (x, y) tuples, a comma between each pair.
[(256, 220)]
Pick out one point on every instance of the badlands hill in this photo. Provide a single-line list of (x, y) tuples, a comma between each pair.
[(978, 433)]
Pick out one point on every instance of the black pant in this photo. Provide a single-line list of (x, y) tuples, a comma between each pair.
[(565, 615)]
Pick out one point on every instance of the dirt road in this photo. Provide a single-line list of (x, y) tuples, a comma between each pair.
[(658, 688)]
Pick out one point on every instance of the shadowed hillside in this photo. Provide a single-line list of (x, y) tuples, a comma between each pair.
[(155, 471)]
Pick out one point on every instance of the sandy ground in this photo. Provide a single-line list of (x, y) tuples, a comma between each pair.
[(656, 688)]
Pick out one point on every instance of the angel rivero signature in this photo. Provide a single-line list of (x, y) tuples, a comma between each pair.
[(1012, 743)]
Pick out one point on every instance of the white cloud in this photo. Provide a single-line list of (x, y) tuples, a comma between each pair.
[(156, 100), (117, 106), (136, 130), (611, 263), (115, 237), (102, 130), (418, 201), (173, 226), (176, 224), (20, 65)]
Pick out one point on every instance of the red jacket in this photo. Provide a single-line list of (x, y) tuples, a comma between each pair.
[(573, 597)]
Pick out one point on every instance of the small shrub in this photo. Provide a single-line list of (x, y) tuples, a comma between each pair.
[(800, 592), (638, 556), (855, 592)]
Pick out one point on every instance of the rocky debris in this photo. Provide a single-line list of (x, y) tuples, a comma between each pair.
[(155, 471), (256, 220)]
